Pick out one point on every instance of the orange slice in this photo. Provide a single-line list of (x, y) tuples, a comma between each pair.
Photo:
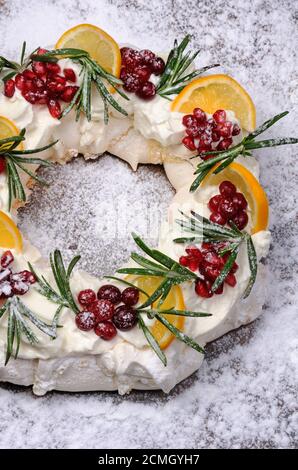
[(174, 300), (246, 183), (8, 129), (217, 92), (10, 236), (100, 45)]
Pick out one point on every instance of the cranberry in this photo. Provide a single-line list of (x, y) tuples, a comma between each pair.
[(54, 108), (103, 309), (105, 330), (85, 320), (6, 259), (109, 292), (217, 218), (224, 129), (142, 72), (200, 114), (195, 252), (231, 280), (220, 116), (184, 260), (53, 68), (20, 81), (214, 203), (227, 189), (5, 290), (39, 68), (124, 318), (19, 287), (132, 83), (5, 274), (189, 143), (158, 66), (224, 144), (70, 75), (69, 93), (239, 201), (227, 209), (147, 91), (2, 164), (86, 296), (131, 58), (236, 129), (9, 88), (202, 289), (130, 296), (189, 120), (241, 220), (24, 276), (147, 56), (123, 74)]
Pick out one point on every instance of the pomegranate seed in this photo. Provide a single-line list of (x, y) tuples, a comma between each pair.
[(220, 116), (20, 81), (19, 287), (210, 272), (193, 263), (189, 143), (199, 114), (54, 108), (217, 218), (227, 189), (85, 320), (57, 85), (105, 330), (193, 130), (5, 290), (189, 120), (227, 209), (69, 93), (86, 296), (6, 259), (206, 157), (215, 136), (231, 280), (41, 51), (132, 83), (224, 129), (130, 296), (241, 220), (24, 276), (39, 68), (29, 75), (143, 72), (5, 274), (30, 97), (147, 91), (214, 203), (41, 96), (194, 252), (214, 259), (239, 201), (70, 75), (236, 129), (224, 144), (109, 292), (2, 164), (184, 260), (103, 309), (202, 289), (124, 318), (219, 290), (234, 268), (147, 56), (9, 88), (206, 247), (53, 68), (157, 66)]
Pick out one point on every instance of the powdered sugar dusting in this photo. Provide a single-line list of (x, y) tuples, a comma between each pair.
[(245, 395)]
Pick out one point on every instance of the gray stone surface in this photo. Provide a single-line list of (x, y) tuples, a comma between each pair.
[(245, 395)]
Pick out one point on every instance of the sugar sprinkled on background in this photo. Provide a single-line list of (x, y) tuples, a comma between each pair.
[(246, 392)]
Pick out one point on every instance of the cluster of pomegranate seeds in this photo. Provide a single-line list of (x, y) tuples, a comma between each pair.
[(210, 264), (136, 69), (44, 83), (102, 312), (229, 205), (13, 283), (206, 134)]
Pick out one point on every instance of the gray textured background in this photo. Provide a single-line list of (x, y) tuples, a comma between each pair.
[(245, 395)]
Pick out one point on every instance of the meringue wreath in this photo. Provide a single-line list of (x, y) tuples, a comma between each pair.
[(146, 326)]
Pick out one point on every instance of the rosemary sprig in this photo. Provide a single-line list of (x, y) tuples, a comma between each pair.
[(204, 230), (92, 75), (11, 67), (172, 273), (175, 76), (225, 157), (16, 160), (62, 295), (17, 325)]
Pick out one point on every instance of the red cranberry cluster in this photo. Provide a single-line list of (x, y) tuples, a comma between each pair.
[(228, 205), (204, 135), (44, 83), (209, 263), (101, 314), (13, 283), (136, 69)]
